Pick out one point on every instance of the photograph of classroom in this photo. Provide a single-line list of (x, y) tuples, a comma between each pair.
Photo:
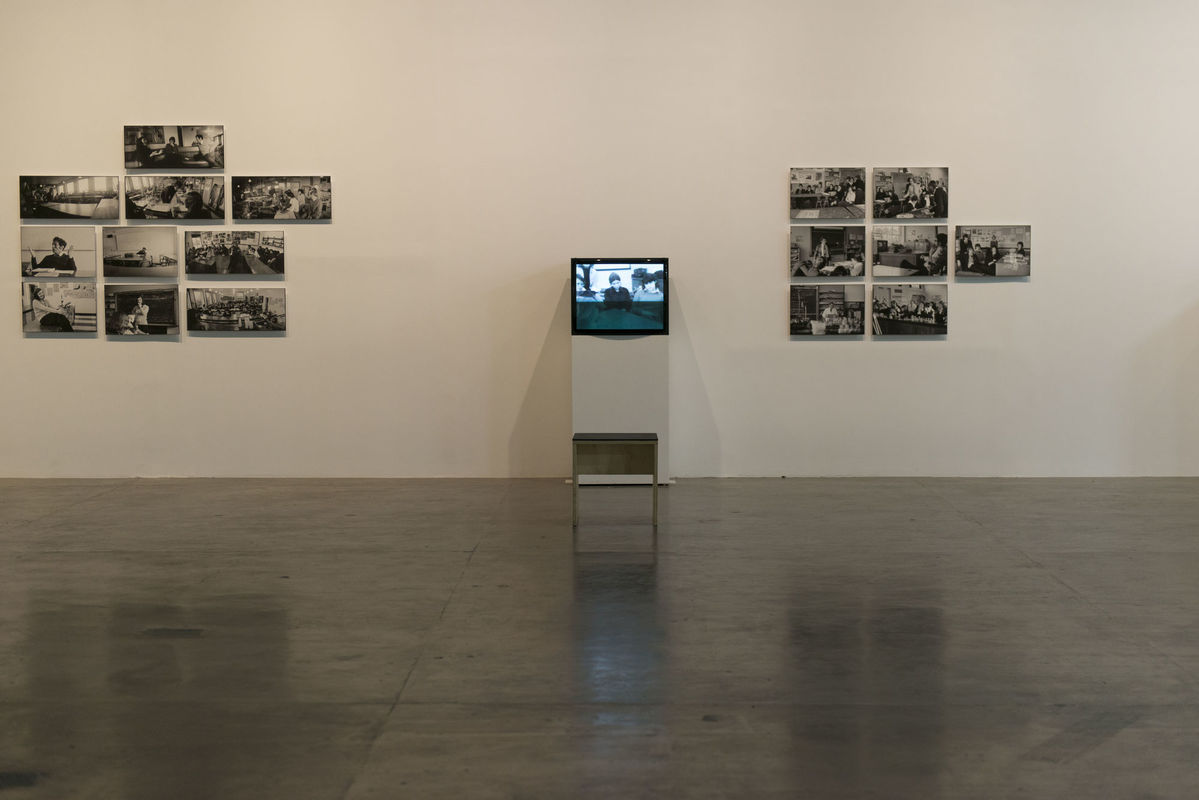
[(996, 251), (237, 310), (233, 252), (259, 197), (911, 193), (828, 251), (69, 197), (66, 251), (174, 146), (141, 251), (828, 193), (58, 307), (169, 197), (911, 309), (903, 250), (828, 309), (141, 310)]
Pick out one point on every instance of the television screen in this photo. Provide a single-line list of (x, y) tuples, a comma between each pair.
[(615, 296)]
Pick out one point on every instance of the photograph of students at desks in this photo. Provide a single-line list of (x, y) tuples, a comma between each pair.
[(234, 252), (74, 197), (994, 251), (828, 192), (911, 309), (903, 250), (169, 197), (911, 193), (828, 251)]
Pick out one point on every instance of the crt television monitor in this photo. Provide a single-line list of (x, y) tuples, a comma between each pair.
[(619, 296)]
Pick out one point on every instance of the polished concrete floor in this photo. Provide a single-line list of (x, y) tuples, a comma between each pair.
[(890, 638)]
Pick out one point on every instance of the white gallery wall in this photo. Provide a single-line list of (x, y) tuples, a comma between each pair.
[(475, 147)]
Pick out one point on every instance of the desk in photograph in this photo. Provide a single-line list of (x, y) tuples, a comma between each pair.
[(613, 454)]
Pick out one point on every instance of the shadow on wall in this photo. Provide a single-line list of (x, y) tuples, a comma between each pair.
[(539, 444), (695, 449), (1159, 405)]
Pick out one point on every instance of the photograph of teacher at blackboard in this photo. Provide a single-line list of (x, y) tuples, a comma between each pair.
[(911, 309), (828, 192), (993, 251), (141, 309), (282, 198), (828, 251), (911, 193), (828, 309), (69, 197), (905, 250)]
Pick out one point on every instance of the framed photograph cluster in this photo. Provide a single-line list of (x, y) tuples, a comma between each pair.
[(138, 253), (908, 239)]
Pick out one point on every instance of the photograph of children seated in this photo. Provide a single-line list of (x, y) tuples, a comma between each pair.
[(911, 193), (910, 309), (993, 251), (234, 252), (168, 197), (174, 146), (828, 251), (828, 192), (828, 310), (903, 250), (619, 296)]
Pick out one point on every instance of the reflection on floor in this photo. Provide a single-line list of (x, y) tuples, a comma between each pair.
[(888, 638)]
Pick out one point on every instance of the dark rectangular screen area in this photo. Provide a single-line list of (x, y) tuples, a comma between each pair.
[(619, 296)]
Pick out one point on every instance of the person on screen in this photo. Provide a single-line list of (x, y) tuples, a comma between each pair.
[(48, 317), (616, 296), (59, 260), (648, 291), (141, 316)]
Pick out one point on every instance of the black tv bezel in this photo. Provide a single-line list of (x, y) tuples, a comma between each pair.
[(575, 330)]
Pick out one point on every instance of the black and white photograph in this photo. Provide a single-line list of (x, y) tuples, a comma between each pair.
[(141, 310), (58, 307), (993, 251), (911, 309), (53, 251), (70, 197), (237, 310), (828, 192), (911, 193), (828, 251), (140, 251), (828, 309), (174, 147), (303, 198), (904, 250), (239, 252), (171, 197)]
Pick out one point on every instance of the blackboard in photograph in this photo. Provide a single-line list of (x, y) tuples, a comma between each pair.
[(237, 310), (911, 309), (282, 198), (58, 251), (828, 193), (828, 309), (58, 307), (141, 309), (236, 252), (993, 251), (899, 251), (828, 251), (911, 193), (69, 197), (140, 251), (172, 197), (174, 146)]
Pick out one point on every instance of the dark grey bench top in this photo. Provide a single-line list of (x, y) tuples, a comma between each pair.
[(613, 437)]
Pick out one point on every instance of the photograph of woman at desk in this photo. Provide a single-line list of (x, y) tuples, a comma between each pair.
[(58, 252), (827, 251)]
